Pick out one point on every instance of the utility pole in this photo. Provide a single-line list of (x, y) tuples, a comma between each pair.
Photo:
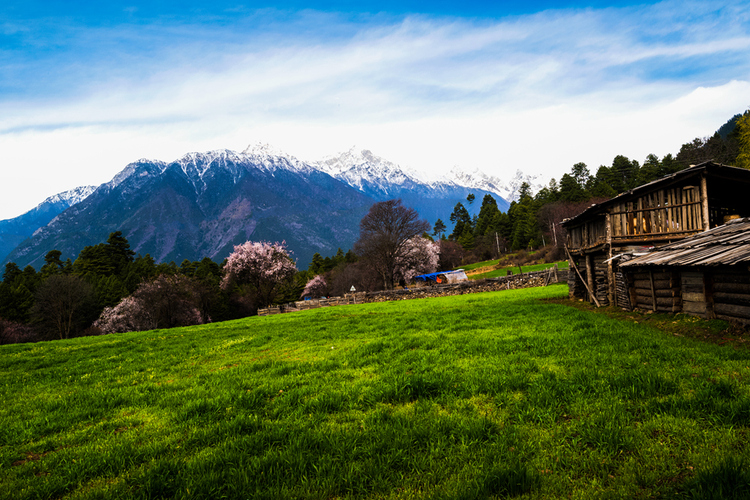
[(554, 232)]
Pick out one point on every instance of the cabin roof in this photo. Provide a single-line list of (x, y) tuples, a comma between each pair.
[(715, 169), (728, 244)]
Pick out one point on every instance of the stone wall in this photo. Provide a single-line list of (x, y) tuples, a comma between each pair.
[(526, 280)]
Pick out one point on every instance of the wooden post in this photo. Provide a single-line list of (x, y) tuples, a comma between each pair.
[(590, 276), (704, 202), (708, 290), (611, 291), (653, 292), (573, 265)]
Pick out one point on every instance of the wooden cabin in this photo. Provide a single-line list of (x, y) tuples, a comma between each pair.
[(707, 274), (658, 213)]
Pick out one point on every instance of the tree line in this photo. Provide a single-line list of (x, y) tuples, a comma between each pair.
[(109, 289), (533, 221)]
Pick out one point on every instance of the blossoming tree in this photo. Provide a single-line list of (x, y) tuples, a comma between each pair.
[(316, 287), (259, 269), (419, 256)]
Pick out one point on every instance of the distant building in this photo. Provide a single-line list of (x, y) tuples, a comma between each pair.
[(661, 212)]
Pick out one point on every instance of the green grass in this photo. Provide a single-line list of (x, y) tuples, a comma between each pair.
[(492, 395), (563, 264), (476, 265)]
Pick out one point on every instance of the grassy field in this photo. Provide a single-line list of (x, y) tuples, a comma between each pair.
[(476, 272), (489, 395)]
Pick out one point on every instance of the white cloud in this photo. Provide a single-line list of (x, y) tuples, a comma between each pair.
[(537, 92)]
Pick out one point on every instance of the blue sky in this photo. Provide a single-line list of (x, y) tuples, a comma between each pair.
[(86, 88)]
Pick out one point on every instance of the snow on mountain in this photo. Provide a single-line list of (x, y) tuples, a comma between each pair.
[(478, 180), (366, 172), (14, 231), (71, 197), (514, 184), (509, 190)]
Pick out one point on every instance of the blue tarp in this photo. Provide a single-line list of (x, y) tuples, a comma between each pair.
[(445, 276)]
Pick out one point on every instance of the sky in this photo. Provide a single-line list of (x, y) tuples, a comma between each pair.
[(88, 87)]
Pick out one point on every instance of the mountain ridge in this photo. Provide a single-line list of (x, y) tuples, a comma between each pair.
[(202, 204)]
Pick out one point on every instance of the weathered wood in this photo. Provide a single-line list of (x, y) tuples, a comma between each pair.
[(653, 294), (704, 202), (727, 317), (648, 302), (660, 292), (731, 298), (735, 310), (731, 287), (691, 278), (724, 277), (657, 283), (693, 297), (693, 288), (708, 292), (590, 277), (572, 263), (658, 275), (694, 307)]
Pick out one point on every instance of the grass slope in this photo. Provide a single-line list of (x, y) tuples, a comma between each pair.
[(495, 273), (476, 396)]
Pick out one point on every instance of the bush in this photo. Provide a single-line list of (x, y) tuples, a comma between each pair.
[(17, 333)]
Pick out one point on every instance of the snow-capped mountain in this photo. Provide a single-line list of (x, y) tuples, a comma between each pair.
[(509, 190), (203, 204), (382, 179), (370, 174), (71, 197), (14, 231)]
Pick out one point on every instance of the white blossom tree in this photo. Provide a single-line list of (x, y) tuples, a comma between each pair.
[(316, 287), (259, 269)]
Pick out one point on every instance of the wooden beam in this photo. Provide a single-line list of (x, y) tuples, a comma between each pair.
[(653, 292), (590, 275), (611, 291), (704, 202), (708, 290), (573, 265)]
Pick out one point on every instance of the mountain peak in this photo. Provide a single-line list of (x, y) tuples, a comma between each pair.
[(263, 149)]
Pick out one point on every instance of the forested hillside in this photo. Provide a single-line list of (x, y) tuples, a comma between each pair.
[(534, 219)]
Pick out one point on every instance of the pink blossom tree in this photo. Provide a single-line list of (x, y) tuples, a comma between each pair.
[(260, 270), (316, 287), (419, 256), (166, 302)]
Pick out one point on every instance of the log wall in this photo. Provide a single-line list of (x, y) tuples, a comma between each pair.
[(730, 294), (656, 290)]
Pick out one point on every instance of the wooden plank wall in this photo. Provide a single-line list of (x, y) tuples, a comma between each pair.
[(657, 290), (675, 210), (693, 293), (730, 295)]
